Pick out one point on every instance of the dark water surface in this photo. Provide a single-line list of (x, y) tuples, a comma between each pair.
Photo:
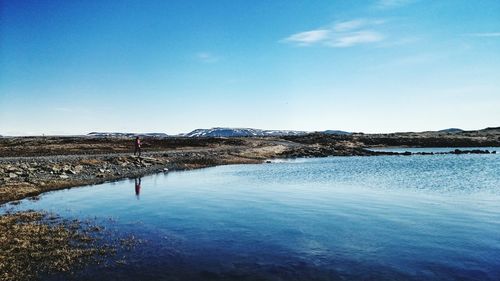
[(344, 218)]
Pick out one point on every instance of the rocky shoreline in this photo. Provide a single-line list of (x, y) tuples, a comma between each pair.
[(21, 178), (30, 173), (455, 151)]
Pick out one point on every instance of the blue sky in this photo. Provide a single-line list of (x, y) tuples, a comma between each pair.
[(71, 67)]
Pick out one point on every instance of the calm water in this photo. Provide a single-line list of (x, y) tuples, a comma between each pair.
[(345, 218)]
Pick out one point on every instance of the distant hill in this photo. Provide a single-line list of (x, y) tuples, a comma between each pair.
[(241, 132), (451, 130), (490, 129), (116, 134), (336, 132)]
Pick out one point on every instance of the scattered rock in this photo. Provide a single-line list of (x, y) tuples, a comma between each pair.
[(78, 168), (472, 151)]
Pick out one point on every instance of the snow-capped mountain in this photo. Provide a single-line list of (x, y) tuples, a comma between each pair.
[(220, 132), (240, 132)]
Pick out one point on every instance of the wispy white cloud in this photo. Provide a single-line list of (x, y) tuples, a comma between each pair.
[(207, 57), (484, 34), (349, 25), (308, 37), (344, 26), (356, 38), (339, 35), (387, 4)]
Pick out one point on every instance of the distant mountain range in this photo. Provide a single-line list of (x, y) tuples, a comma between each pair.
[(241, 132), (221, 132), (250, 132), (129, 135)]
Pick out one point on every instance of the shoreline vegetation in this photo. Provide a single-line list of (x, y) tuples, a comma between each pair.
[(30, 166), (35, 244)]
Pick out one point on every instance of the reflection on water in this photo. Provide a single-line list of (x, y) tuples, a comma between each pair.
[(137, 187), (343, 218)]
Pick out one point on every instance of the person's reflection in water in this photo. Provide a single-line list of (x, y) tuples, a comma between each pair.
[(137, 187)]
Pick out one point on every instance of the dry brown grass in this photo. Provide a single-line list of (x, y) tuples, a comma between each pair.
[(9, 192), (34, 243)]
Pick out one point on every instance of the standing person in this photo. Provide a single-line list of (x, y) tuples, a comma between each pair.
[(137, 146)]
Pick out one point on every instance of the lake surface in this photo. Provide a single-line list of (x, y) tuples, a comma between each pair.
[(341, 218)]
